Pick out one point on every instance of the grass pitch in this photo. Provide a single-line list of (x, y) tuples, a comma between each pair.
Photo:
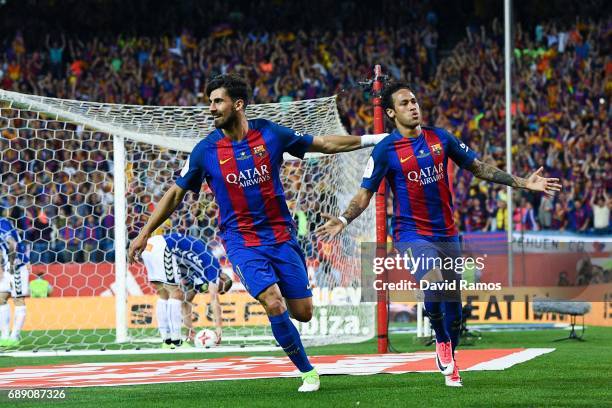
[(576, 374)]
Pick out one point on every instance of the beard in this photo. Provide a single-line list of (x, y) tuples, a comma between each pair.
[(226, 122)]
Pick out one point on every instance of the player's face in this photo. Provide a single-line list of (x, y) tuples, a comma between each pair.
[(223, 109), (406, 110)]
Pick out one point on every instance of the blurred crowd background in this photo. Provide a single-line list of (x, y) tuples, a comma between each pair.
[(58, 187)]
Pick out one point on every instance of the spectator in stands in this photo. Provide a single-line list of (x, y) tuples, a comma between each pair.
[(545, 212), (601, 213), (559, 218), (524, 218), (501, 217), (56, 52), (579, 217), (561, 110), (478, 219)]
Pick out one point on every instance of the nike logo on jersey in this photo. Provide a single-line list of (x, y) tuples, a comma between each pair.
[(225, 161), (403, 159)]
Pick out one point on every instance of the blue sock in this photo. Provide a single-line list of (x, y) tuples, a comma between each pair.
[(288, 338), (436, 316), (452, 321)]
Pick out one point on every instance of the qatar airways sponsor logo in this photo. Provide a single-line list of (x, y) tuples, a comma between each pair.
[(426, 175), (249, 177)]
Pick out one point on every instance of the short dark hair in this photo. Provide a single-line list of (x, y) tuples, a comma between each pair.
[(389, 90), (236, 87)]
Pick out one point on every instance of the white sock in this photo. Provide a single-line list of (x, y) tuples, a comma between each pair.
[(18, 321), (161, 311), (5, 321), (175, 316)]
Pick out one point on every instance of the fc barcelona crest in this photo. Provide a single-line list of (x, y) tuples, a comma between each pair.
[(259, 151), (436, 149)]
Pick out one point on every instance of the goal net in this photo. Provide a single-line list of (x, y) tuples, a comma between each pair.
[(79, 180)]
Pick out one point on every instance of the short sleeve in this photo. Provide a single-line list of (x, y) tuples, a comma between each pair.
[(192, 175), (376, 168), (458, 151), (293, 142)]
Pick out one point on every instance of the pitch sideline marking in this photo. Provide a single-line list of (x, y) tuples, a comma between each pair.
[(508, 361), (237, 368)]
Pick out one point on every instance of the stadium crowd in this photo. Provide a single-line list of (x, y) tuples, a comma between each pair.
[(58, 183)]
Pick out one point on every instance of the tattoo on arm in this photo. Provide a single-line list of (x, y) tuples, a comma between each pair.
[(491, 173), (353, 211)]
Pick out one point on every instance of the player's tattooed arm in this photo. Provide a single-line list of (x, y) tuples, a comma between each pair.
[(488, 172), (12, 253), (357, 205), (535, 182)]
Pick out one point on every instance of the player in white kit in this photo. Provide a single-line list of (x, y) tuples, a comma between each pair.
[(180, 266), (15, 272)]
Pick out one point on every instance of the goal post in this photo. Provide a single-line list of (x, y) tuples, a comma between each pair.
[(92, 174), (121, 269)]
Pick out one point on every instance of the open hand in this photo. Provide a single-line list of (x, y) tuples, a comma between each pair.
[(136, 247), (548, 186), (330, 229)]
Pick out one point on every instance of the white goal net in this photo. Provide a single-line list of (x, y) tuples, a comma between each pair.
[(79, 179)]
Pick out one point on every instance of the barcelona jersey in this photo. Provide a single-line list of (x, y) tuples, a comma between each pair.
[(245, 179), (417, 171)]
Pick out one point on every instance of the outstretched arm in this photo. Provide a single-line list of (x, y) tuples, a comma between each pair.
[(339, 144), (534, 182), (166, 206), (12, 250), (335, 225)]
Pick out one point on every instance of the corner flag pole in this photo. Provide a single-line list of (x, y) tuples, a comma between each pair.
[(508, 75)]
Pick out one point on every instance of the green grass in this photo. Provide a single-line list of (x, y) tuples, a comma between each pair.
[(576, 374), (94, 339)]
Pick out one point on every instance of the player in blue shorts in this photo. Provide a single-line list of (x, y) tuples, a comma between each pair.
[(241, 163), (15, 271), (414, 159)]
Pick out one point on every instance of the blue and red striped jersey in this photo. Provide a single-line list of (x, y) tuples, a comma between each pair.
[(245, 179), (416, 169)]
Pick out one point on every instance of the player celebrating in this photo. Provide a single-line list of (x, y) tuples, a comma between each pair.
[(180, 266), (241, 162), (14, 277), (414, 158)]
